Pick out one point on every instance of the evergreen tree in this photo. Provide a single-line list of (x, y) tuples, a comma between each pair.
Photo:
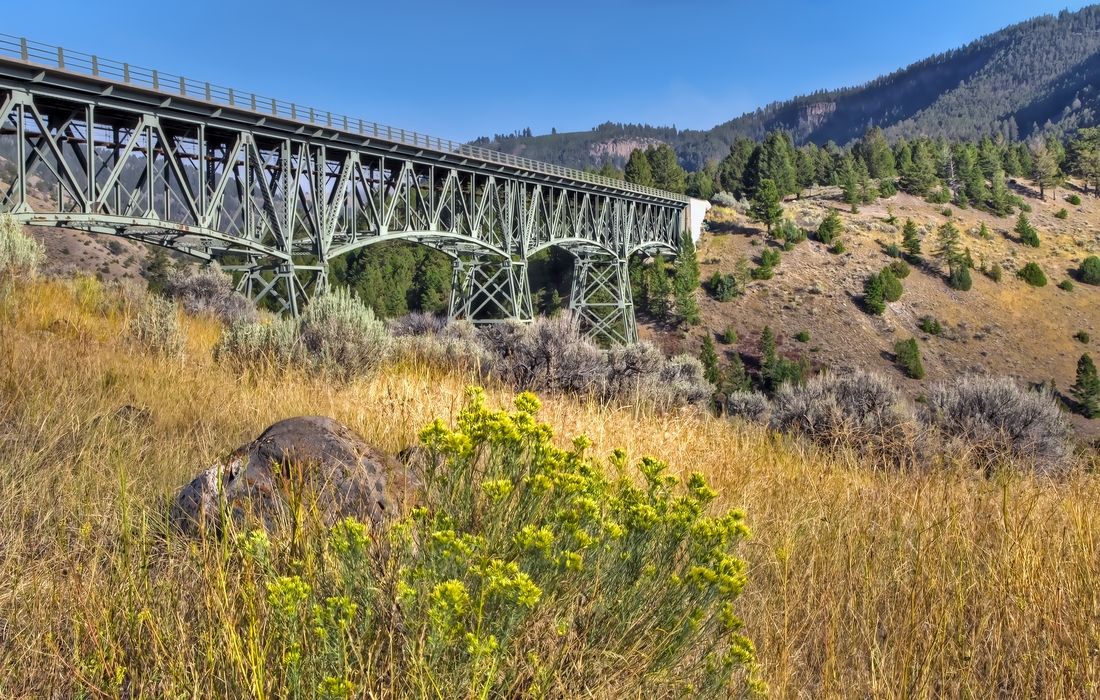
[(667, 174), (736, 379), (949, 247), (960, 277), (1000, 199), (658, 288), (876, 153), (1089, 271), (1087, 387), (708, 355), (157, 269), (910, 240), (830, 227), (891, 287), (767, 347), (1032, 274), (732, 168), (766, 206), (1028, 234), (874, 295), (920, 178), (1045, 168), (638, 169), (907, 357), (686, 281)]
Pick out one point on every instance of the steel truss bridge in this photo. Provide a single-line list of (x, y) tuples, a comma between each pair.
[(275, 191)]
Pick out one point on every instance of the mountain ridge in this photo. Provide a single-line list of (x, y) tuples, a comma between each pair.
[(1037, 76)]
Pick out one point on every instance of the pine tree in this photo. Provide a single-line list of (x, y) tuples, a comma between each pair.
[(948, 241), (830, 227), (1000, 199), (766, 206), (638, 169), (708, 355), (767, 346), (960, 277), (907, 357), (686, 282), (1089, 271), (658, 288), (1028, 234), (910, 241), (667, 174), (891, 287), (874, 295), (735, 378), (1087, 387)]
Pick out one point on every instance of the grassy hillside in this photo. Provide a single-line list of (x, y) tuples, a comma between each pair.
[(861, 581), (1005, 328), (1011, 82)]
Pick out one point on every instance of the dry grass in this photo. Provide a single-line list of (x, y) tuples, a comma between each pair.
[(863, 583)]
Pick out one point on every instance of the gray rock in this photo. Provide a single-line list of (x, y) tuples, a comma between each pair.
[(313, 461)]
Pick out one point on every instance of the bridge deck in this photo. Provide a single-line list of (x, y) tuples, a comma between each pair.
[(115, 74)]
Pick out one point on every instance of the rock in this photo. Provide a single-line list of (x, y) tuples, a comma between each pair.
[(310, 460)]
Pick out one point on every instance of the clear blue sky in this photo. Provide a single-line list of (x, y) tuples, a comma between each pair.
[(465, 69)]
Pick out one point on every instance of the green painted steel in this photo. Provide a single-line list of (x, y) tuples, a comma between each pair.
[(275, 190)]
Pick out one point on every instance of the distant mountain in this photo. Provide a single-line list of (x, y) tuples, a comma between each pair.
[(1042, 74)]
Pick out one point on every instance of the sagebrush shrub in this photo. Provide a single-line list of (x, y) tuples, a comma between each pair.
[(271, 342), (750, 405), (209, 291), (549, 355), (417, 323), (995, 419), (20, 255), (861, 411), (340, 336), (155, 326)]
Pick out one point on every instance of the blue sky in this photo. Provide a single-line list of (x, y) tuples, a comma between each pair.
[(465, 69)]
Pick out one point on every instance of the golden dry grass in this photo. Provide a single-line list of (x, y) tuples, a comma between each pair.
[(863, 583)]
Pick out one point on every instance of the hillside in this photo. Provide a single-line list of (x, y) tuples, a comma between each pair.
[(860, 581), (1003, 329), (1043, 74)]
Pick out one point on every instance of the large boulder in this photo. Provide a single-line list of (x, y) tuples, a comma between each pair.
[(310, 462)]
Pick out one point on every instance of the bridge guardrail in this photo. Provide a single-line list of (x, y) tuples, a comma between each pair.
[(57, 57)]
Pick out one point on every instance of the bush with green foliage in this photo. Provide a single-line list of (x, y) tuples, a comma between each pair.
[(1028, 234), (1062, 213), (1025, 208), (790, 233), (511, 542), (1074, 200), (887, 188), (770, 258), (838, 247), (900, 268), (983, 232), (803, 336), (960, 278), (874, 295), (830, 227), (1083, 336), (1086, 389), (776, 370), (907, 358), (729, 336), (931, 325), (1089, 271), (893, 250), (723, 287), (763, 273), (1032, 274), (892, 289), (1066, 285)]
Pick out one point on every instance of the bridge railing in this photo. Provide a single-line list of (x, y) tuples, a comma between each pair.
[(37, 53)]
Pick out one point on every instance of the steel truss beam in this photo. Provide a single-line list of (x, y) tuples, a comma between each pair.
[(275, 202)]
